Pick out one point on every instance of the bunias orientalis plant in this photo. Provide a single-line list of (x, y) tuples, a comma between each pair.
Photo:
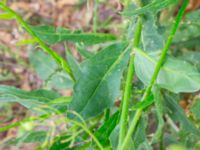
[(97, 82)]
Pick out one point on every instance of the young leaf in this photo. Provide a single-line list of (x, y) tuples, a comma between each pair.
[(143, 104), (48, 70), (103, 133), (60, 104), (155, 6), (6, 16), (175, 75), (26, 42), (176, 112), (27, 99), (99, 84), (50, 35)]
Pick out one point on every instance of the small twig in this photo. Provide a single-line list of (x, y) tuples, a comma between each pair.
[(51, 52)]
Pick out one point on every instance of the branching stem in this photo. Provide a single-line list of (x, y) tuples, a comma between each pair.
[(155, 74)]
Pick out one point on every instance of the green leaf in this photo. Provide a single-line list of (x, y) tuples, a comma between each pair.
[(75, 67), (26, 42), (143, 104), (175, 75), (176, 147), (50, 35), (30, 100), (193, 16), (42, 63), (6, 16), (177, 113), (159, 113), (61, 100), (187, 31), (192, 57), (32, 137), (103, 133), (140, 138), (190, 28), (83, 52), (188, 43), (60, 143), (60, 80), (195, 109), (188, 139), (114, 140), (60, 104), (155, 6), (49, 71), (152, 40), (99, 84), (131, 29)]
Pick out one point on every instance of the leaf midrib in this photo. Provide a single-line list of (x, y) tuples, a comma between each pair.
[(165, 68), (105, 75), (153, 5), (21, 94), (76, 34)]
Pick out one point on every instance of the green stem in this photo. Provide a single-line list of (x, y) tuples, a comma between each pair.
[(107, 114), (155, 74), (158, 100), (51, 52), (95, 9), (128, 86), (16, 124), (89, 133)]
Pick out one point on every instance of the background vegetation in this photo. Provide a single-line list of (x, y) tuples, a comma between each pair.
[(99, 74)]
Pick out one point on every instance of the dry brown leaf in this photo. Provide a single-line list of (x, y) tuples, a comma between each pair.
[(61, 3), (25, 6), (193, 5)]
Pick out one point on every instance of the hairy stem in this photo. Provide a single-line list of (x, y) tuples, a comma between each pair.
[(51, 52), (128, 85), (155, 74)]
